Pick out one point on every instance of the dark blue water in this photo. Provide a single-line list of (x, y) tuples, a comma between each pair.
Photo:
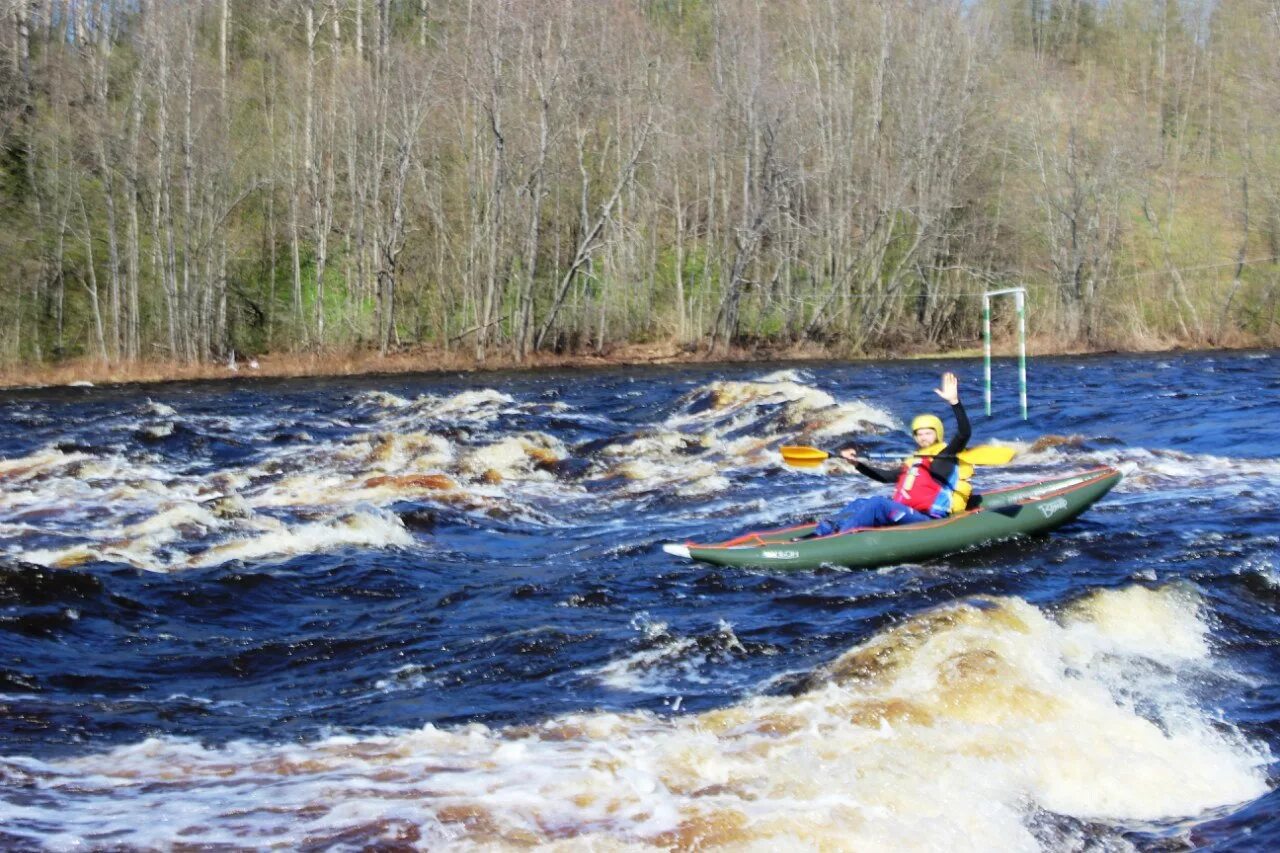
[(299, 586)]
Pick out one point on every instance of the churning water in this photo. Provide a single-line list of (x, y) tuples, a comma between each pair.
[(433, 612)]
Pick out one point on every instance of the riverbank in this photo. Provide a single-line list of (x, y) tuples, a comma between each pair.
[(433, 360), (417, 360)]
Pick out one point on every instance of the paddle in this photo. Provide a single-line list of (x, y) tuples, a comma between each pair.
[(983, 454)]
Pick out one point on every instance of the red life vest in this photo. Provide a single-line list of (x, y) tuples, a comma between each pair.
[(919, 488)]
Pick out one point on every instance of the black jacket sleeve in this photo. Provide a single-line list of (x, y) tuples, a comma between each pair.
[(883, 475), (960, 440), (880, 474)]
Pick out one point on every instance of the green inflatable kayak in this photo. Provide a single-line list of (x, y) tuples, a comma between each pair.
[(1002, 514)]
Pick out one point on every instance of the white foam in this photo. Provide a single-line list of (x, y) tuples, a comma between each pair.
[(667, 660), (950, 731), (367, 528), (385, 399), (692, 456), (735, 403), (41, 463), (515, 457)]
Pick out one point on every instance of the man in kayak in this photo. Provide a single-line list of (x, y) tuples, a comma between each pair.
[(932, 483)]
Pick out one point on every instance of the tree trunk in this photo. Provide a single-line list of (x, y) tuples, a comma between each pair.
[(91, 285), (494, 214), (588, 242), (359, 29), (524, 324), (682, 329)]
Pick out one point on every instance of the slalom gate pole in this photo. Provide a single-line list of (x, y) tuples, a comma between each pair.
[(986, 351), (1020, 301), (1022, 350)]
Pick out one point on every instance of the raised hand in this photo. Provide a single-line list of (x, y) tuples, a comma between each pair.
[(950, 390)]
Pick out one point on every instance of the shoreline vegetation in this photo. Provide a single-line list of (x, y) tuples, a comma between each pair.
[(343, 186), (434, 361)]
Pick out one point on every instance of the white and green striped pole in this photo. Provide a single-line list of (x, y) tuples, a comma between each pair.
[(986, 350), (1020, 298)]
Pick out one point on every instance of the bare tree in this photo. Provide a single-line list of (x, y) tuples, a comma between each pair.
[(184, 179), (1081, 183)]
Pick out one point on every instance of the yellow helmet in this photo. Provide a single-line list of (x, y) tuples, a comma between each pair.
[(928, 422)]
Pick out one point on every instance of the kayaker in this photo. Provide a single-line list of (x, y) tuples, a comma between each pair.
[(931, 483)]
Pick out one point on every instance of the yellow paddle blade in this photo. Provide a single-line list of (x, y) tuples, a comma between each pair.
[(803, 457), (987, 454)]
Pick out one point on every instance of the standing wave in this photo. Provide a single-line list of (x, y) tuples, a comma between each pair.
[(983, 724)]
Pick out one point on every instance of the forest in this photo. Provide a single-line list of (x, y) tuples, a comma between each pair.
[(185, 181)]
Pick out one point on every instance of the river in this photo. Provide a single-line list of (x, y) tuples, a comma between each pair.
[(433, 612)]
